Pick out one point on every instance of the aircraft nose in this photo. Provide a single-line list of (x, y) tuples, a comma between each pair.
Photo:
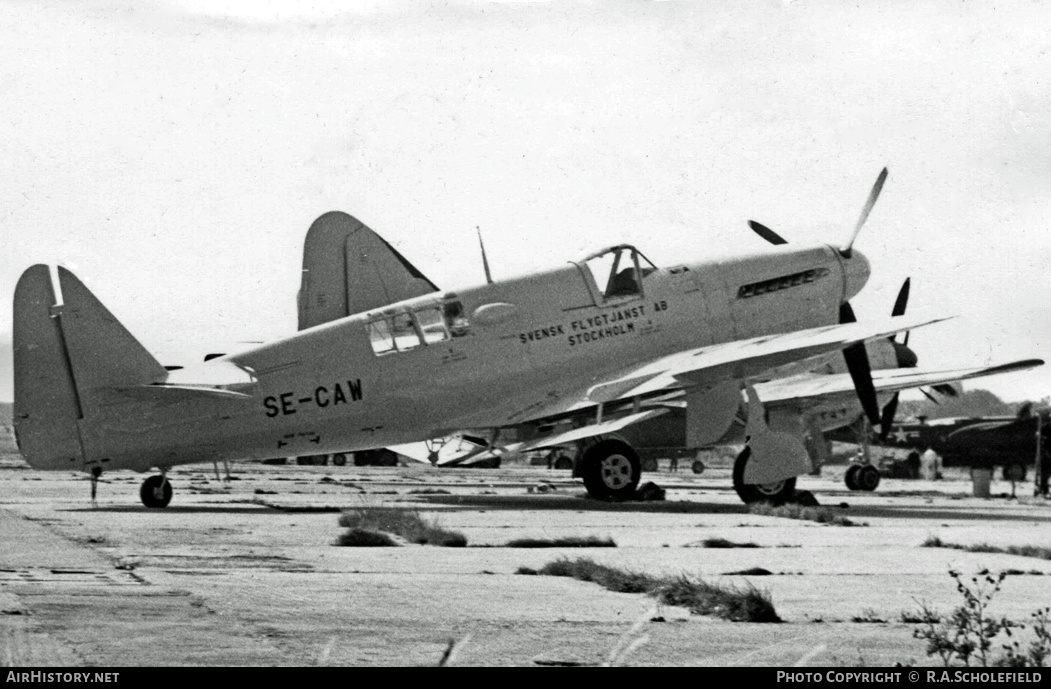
[(856, 271), (905, 356)]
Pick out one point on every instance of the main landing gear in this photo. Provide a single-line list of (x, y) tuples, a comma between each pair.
[(611, 470), (862, 477), (156, 491), (776, 493)]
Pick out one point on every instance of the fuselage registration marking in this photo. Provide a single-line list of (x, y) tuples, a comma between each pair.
[(285, 403)]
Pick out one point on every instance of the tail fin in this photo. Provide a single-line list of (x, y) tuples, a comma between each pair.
[(348, 268), (64, 355)]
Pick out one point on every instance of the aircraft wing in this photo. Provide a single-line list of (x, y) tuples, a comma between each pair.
[(816, 385), (757, 357)]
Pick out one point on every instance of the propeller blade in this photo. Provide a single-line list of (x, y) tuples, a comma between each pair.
[(766, 233), (887, 419), (903, 299), (857, 359), (873, 195)]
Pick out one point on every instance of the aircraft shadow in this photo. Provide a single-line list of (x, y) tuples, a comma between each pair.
[(578, 504)]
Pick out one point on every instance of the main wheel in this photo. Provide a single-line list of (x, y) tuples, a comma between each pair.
[(611, 470), (339, 459), (775, 493), (851, 478), (156, 491), (1014, 472), (868, 478)]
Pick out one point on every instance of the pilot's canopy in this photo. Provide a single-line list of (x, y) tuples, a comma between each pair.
[(618, 270)]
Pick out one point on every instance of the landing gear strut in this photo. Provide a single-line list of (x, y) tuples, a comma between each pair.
[(776, 493), (611, 470), (156, 491)]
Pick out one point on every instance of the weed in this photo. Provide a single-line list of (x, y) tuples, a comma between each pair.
[(821, 515), (1038, 651), (405, 523), (968, 632), (568, 542), (747, 604)]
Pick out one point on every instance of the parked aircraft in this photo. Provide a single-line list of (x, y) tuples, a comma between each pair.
[(604, 334), (1010, 442), (341, 271)]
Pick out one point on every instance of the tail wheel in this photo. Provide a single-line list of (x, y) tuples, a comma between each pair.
[(611, 470), (697, 466), (776, 493), (868, 478), (851, 479), (339, 459), (156, 491)]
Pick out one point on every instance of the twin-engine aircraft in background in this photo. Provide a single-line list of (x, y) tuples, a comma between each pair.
[(575, 354)]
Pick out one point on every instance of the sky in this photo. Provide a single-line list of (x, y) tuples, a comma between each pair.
[(173, 153)]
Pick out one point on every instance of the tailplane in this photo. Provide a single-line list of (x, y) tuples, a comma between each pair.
[(66, 355), (348, 268)]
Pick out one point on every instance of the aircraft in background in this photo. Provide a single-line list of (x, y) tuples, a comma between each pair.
[(1011, 442), (601, 341)]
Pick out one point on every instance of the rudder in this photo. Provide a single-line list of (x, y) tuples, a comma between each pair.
[(66, 356)]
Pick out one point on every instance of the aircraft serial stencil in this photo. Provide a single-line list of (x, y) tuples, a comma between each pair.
[(383, 357)]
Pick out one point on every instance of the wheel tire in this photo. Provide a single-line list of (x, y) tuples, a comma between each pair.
[(156, 491), (773, 493), (868, 478), (563, 462), (851, 478), (611, 470), (697, 466), (339, 460), (1014, 472)]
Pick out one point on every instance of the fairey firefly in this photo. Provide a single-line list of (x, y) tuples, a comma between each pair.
[(388, 359)]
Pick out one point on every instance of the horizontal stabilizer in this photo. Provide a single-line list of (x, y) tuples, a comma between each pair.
[(171, 394)]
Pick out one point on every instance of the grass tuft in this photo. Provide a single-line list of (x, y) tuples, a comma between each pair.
[(747, 604), (568, 542), (1020, 550), (821, 515), (405, 523), (725, 543), (365, 538)]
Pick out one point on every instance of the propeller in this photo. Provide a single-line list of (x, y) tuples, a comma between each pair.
[(860, 371), (855, 355), (905, 359), (873, 195), (766, 233)]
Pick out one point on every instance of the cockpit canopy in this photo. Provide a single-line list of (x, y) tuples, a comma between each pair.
[(618, 271)]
